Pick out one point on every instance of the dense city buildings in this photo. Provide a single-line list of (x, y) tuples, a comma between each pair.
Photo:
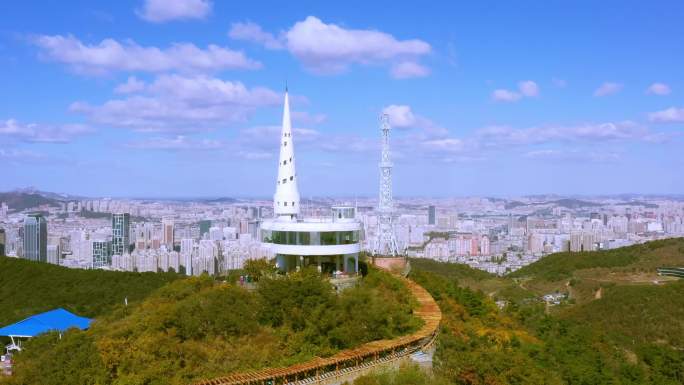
[(493, 234)]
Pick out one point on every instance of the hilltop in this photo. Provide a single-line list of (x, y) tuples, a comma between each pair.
[(617, 326), (198, 327)]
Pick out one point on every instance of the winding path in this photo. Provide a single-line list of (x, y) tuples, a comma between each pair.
[(371, 354)]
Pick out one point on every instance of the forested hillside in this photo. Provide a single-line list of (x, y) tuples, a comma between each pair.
[(27, 288), (637, 258), (199, 328), (620, 322), (618, 326)]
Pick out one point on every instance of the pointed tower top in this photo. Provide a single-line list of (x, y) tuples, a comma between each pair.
[(286, 198)]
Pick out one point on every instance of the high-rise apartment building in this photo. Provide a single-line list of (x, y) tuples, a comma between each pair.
[(35, 238), (167, 233), (432, 215), (101, 254), (120, 233)]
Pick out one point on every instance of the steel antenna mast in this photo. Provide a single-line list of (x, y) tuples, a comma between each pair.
[(386, 244)]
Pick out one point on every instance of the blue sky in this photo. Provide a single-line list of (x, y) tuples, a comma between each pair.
[(183, 98)]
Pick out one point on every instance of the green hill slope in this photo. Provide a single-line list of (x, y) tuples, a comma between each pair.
[(644, 257), (618, 327), (198, 328), (27, 288), (451, 270), (636, 314)]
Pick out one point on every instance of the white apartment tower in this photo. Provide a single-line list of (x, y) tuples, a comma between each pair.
[(167, 233)]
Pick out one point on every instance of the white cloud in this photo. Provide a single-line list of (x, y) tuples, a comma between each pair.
[(159, 11), (179, 142), (110, 55), (528, 88), (262, 142), (252, 32), (483, 143), (330, 49), (608, 88), (42, 133), (590, 132), (658, 89), (132, 85), (409, 69), (208, 90), (175, 103), (432, 141), (444, 145), (400, 116), (670, 115), (502, 95), (254, 143)]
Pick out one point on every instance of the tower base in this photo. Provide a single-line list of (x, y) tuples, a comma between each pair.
[(390, 263)]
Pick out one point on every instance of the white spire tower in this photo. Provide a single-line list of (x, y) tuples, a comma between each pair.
[(286, 198)]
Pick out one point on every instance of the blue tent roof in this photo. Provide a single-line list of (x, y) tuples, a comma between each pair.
[(58, 319)]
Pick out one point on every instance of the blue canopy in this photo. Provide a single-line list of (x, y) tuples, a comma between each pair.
[(57, 320)]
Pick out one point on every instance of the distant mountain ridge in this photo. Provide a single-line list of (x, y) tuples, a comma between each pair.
[(569, 203), (18, 201)]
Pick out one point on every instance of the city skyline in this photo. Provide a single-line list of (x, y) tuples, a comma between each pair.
[(136, 100)]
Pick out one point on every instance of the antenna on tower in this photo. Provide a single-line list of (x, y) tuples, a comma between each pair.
[(386, 244)]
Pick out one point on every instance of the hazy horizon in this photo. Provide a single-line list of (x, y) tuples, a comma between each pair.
[(351, 197)]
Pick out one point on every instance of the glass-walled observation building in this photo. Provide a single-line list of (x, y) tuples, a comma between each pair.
[(332, 244)]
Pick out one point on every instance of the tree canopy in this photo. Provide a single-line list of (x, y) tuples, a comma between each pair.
[(199, 328)]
